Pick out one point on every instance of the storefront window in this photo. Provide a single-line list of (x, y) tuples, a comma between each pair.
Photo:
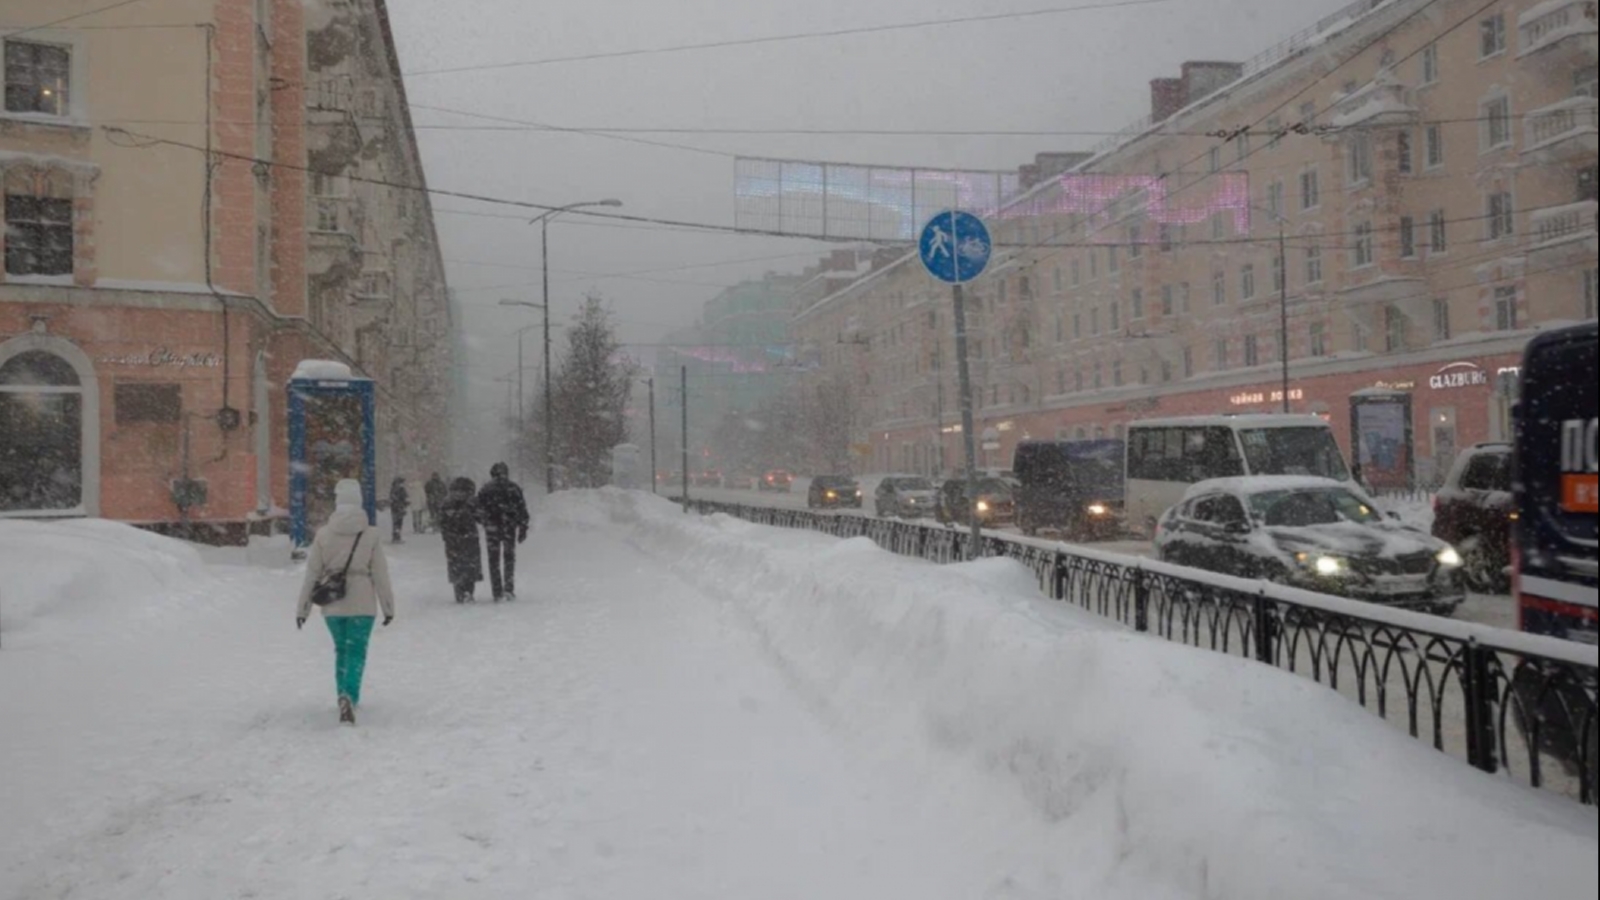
[(41, 434)]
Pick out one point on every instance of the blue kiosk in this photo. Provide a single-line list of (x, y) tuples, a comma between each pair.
[(332, 436)]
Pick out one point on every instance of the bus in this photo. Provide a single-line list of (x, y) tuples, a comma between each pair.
[(1168, 456), (1553, 551)]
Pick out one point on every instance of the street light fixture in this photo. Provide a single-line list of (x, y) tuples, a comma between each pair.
[(549, 392)]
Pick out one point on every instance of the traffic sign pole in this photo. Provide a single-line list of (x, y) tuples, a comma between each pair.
[(969, 428)]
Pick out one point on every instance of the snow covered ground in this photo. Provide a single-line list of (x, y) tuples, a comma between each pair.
[(685, 708)]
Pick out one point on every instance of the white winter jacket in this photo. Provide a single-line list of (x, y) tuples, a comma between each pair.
[(368, 584)]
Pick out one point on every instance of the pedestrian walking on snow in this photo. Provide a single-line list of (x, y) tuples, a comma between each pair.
[(459, 518), (350, 547), (434, 493), (505, 525), (399, 503)]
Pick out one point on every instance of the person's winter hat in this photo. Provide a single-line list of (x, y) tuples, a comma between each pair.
[(500, 470), (347, 494)]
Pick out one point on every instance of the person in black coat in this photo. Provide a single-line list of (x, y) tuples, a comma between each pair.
[(434, 492), (459, 519), (505, 524), (399, 504)]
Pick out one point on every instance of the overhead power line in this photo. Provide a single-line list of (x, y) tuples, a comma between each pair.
[(73, 18), (787, 38)]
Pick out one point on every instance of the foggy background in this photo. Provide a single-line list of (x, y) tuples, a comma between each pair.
[(1079, 71)]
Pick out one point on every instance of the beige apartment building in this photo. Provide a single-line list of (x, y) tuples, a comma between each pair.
[(185, 221), (1432, 172)]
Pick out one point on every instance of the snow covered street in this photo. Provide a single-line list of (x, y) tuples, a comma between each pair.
[(684, 708)]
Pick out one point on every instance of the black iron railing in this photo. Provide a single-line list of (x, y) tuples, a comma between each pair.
[(1504, 702)]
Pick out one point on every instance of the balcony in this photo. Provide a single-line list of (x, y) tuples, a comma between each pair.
[(1565, 231), (1558, 29), (1563, 131), (1377, 105)]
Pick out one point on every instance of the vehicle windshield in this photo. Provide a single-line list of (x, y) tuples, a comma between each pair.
[(912, 485), (1294, 451), (1307, 508)]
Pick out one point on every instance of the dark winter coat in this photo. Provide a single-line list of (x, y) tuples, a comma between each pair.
[(504, 508), (435, 492), (459, 519), (399, 498)]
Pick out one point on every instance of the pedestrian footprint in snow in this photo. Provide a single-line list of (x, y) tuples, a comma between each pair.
[(348, 578), (459, 519)]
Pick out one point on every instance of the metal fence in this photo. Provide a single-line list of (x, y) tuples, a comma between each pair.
[(1509, 704)]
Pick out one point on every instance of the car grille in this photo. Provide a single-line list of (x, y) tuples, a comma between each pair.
[(1413, 564)]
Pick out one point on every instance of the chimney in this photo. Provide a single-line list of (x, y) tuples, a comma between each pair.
[(1052, 164), (1167, 96), (1029, 175), (1206, 78)]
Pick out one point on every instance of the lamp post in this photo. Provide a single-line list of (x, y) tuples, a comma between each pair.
[(1283, 297)]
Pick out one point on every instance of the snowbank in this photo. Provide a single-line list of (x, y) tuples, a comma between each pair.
[(56, 573), (322, 370), (1160, 771)]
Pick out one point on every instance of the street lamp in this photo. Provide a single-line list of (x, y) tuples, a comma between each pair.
[(1283, 297), (549, 394)]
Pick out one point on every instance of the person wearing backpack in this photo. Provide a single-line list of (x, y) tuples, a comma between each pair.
[(347, 577)]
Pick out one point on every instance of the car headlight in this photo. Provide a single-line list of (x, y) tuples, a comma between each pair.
[(983, 506), (1450, 558), (1099, 509), (833, 495), (1326, 566)]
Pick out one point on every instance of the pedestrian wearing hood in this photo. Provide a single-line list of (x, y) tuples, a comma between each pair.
[(399, 503), (349, 544), (505, 525), (459, 518), (434, 492)]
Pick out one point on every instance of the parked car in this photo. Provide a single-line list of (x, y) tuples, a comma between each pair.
[(835, 492), (777, 481), (996, 502), (1474, 512), (906, 497), (1074, 487), (1313, 533), (743, 481)]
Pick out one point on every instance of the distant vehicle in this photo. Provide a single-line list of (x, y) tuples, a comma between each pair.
[(1075, 487), (995, 504), (906, 497), (1473, 512), (1167, 456), (777, 481), (1554, 562), (835, 492), (1312, 533), (710, 478), (742, 481)]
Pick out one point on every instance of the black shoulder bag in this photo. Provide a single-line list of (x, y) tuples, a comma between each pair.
[(330, 589)]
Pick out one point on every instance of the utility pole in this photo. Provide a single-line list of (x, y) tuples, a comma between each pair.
[(686, 440), (1283, 292), (968, 424), (655, 471)]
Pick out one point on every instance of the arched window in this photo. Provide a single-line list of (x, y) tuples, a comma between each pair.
[(41, 434)]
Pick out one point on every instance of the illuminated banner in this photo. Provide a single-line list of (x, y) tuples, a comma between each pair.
[(1106, 206)]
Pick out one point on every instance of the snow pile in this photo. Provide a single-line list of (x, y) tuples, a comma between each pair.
[(1154, 771), (77, 571), (322, 370)]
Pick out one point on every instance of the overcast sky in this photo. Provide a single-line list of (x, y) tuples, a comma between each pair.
[(1085, 71)]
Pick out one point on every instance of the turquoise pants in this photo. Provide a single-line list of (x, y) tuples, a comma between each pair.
[(350, 637)]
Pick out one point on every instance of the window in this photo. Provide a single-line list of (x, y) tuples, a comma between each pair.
[(1216, 159), (1313, 265), (1168, 300), (1219, 227), (1430, 64), (1590, 276), (1077, 380), (1138, 303), (1077, 272), (1275, 198), (1219, 355), (1319, 339), (1247, 282), (1094, 321), (1168, 237), (1116, 373), (1358, 337), (1492, 36), (1496, 115), (1094, 265), (1274, 132), (37, 78), (1308, 113), (1252, 351), (1358, 159), (1441, 320), (1135, 242), (1188, 362), (1056, 280), (1505, 308), (1365, 254), (149, 404), (1219, 289), (1166, 372), (1501, 222), (1116, 316), (1099, 377), (1404, 158), (1438, 232), (1113, 259), (1241, 145), (1408, 237), (1586, 82), (38, 224), (1279, 284), (1433, 141), (1183, 298), (1077, 325), (1310, 190), (42, 425), (1394, 329)]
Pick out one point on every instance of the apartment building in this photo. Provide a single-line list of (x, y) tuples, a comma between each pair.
[(1408, 193), (169, 262)]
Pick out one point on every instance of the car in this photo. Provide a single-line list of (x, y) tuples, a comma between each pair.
[(1474, 512), (1313, 533), (743, 481), (996, 502), (1074, 487), (777, 481), (835, 492), (710, 478), (906, 497)]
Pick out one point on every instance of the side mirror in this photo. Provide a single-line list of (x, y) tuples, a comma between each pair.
[(1237, 528)]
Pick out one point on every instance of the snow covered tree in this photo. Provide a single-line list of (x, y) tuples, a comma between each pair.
[(591, 393)]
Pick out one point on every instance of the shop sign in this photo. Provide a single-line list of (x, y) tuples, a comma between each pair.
[(163, 358), (1460, 375), (1258, 398), (1402, 386)]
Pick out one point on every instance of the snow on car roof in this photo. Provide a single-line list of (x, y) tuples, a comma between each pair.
[(1262, 484), (1253, 421)]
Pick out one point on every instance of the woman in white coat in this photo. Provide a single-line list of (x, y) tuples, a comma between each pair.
[(349, 538)]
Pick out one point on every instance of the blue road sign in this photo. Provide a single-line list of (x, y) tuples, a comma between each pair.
[(956, 247)]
